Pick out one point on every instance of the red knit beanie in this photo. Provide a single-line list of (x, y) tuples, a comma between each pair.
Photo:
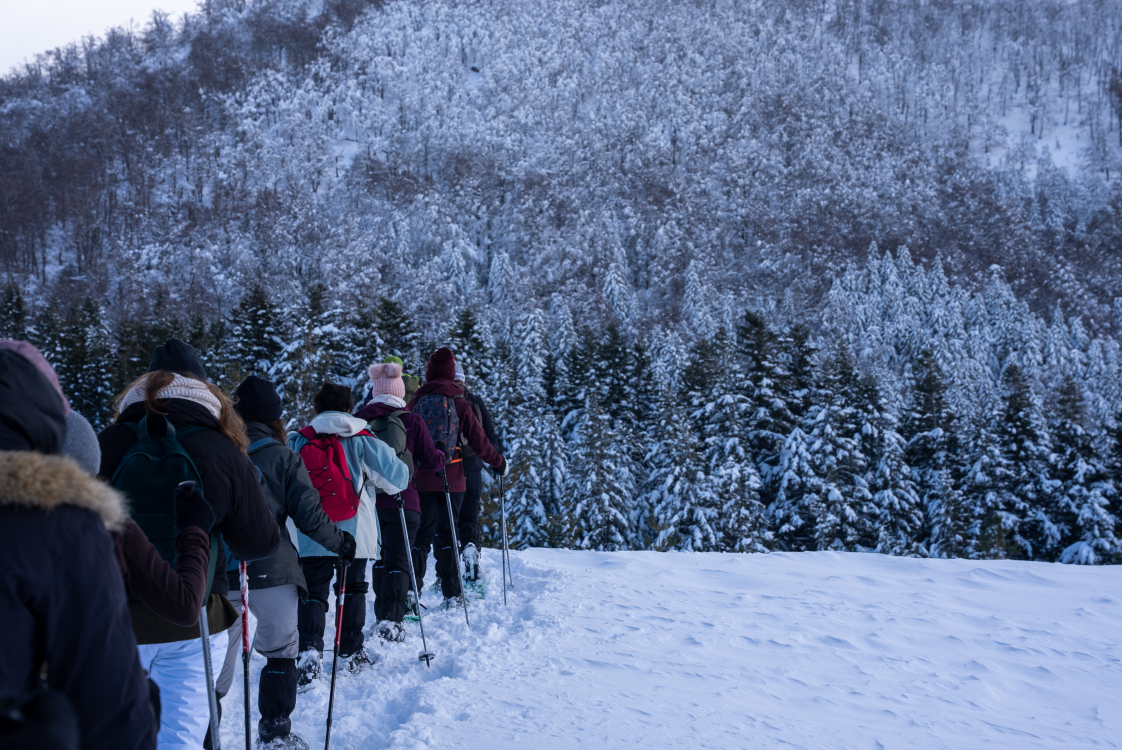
[(442, 365)]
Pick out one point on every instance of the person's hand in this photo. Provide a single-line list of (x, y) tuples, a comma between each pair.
[(504, 468), (348, 548), (191, 508)]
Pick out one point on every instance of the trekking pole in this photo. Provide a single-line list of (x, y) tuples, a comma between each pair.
[(245, 649), (506, 547), (425, 656), (335, 655), (204, 631), (455, 546)]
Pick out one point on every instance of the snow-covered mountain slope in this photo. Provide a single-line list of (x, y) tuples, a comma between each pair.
[(811, 650)]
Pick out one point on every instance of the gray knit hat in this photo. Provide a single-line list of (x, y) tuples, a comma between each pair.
[(81, 443), (459, 373)]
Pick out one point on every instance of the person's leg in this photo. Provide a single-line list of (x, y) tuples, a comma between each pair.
[(378, 569), (354, 608), (446, 556), (431, 504), (178, 670), (312, 613), (277, 640), (467, 530), (395, 557)]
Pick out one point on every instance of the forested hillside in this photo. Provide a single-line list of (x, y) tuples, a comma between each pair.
[(736, 275)]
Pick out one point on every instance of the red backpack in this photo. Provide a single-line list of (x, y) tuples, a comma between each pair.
[(327, 465)]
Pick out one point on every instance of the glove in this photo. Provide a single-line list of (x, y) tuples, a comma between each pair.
[(504, 469), (191, 508), (348, 548)]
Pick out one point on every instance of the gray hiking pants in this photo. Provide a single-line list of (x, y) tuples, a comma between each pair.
[(277, 636)]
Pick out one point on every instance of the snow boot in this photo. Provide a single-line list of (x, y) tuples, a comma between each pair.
[(453, 602), (308, 668)]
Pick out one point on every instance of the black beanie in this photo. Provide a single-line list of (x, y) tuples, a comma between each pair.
[(256, 399), (178, 357)]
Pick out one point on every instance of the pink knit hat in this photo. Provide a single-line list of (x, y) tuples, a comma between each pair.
[(32, 355), (385, 377)]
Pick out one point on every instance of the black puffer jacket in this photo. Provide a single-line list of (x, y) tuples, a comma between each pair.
[(63, 608), (290, 494), (231, 487)]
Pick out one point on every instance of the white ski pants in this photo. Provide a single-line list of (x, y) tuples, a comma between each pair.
[(178, 669)]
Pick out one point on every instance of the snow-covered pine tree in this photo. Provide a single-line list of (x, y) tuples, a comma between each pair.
[(579, 365), (314, 352), (684, 513), (600, 489), (78, 346), (932, 443), (899, 523), (537, 481), (768, 420), (13, 313), (834, 423), (799, 495), (1079, 504), (398, 331), (531, 357), (1022, 492), (255, 340)]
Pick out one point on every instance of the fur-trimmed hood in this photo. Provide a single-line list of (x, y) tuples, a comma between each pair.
[(36, 480)]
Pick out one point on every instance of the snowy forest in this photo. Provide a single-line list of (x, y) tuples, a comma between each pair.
[(733, 275)]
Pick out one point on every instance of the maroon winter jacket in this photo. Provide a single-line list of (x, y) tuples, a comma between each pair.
[(419, 442), (470, 430), (175, 594)]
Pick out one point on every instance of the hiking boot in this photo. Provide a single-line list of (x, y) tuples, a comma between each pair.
[(284, 742), (356, 662), (471, 563), (308, 668), (454, 601), (411, 606), (391, 632)]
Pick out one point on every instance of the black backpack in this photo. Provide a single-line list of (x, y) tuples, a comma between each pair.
[(391, 431), (148, 474)]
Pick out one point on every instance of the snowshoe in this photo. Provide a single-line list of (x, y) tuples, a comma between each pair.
[(286, 742), (471, 563), (391, 632), (356, 662), (308, 668)]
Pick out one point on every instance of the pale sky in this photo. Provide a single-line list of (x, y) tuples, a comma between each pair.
[(31, 26)]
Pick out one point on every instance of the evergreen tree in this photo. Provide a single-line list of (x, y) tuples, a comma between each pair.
[(136, 342), (684, 511), (77, 345), (1079, 509), (600, 487), (255, 339), (397, 330), (799, 496), (314, 352), (467, 340), (13, 314), (532, 357), (899, 521), (537, 480), (1022, 487), (579, 366)]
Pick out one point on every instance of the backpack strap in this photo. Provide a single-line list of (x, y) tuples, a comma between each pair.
[(257, 445)]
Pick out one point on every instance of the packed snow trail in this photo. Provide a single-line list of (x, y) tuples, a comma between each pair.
[(812, 650)]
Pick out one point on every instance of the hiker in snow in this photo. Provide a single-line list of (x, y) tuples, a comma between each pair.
[(173, 426), (407, 435), (451, 421), (64, 618), (276, 583), (467, 531), (343, 458), (174, 593)]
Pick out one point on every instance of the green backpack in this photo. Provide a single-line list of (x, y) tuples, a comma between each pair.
[(148, 474), (391, 431)]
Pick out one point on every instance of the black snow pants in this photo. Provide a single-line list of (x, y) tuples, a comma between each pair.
[(318, 572), (390, 577)]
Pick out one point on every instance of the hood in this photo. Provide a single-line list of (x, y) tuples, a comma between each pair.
[(31, 413), (35, 357), (338, 423), (374, 409), (33, 480), (439, 387)]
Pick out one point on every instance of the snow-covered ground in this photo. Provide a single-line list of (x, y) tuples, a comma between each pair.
[(813, 650)]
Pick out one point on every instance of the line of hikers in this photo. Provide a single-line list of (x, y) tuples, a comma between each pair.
[(113, 545)]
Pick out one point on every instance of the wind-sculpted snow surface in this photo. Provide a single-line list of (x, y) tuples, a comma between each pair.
[(808, 650)]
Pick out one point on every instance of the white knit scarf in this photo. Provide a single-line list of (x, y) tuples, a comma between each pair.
[(188, 389), (389, 400)]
